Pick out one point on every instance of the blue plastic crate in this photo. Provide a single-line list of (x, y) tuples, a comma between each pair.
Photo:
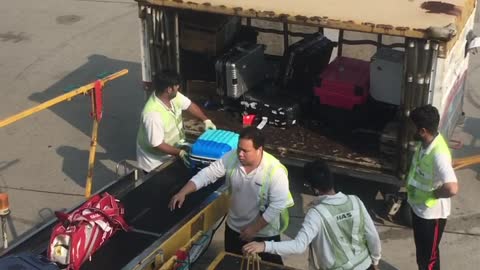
[(212, 145)]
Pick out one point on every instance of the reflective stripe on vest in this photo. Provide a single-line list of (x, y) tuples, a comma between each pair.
[(172, 124), (344, 225), (271, 165), (420, 177)]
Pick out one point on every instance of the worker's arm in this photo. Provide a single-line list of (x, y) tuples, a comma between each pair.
[(447, 190), (196, 111), (278, 196), (446, 175), (371, 235), (203, 178), (168, 149), (310, 229), (178, 199), (249, 232), (278, 199)]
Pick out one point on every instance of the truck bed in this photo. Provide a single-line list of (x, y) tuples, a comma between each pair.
[(347, 150)]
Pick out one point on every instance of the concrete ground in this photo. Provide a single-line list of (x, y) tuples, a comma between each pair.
[(49, 46)]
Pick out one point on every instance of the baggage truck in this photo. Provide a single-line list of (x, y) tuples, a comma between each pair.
[(420, 47), (423, 48)]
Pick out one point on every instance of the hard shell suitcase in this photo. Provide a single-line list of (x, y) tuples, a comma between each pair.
[(240, 69), (305, 59), (211, 146), (386, 75), (344, 83), (27, 261)]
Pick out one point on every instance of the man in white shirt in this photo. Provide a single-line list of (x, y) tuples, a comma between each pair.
[(259, 192), (430, 184), (337, 229), (160, 135)]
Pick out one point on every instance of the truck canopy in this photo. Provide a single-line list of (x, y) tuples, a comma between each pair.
[(440, 20)]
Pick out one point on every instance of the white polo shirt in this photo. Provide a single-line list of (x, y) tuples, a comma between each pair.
[(313, 232), (244, 199), (442, 173), (155, 134)]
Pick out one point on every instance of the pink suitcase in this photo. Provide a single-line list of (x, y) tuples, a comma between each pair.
[(344, 83)]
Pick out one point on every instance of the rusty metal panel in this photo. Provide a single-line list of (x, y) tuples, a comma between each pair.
[(413, 18)]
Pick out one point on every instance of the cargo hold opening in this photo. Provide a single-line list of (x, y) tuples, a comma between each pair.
[(331, 94)]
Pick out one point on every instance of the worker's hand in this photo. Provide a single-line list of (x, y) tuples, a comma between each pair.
[(185, 158), (254, 247), (209, 124), (248, 233), (176, 201)]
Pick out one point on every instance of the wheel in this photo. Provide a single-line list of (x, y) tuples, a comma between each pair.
[(405, 214)]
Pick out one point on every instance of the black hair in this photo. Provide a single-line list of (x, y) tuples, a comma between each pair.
[(164, 80), (426, 117), (254, 134), (318, 175)]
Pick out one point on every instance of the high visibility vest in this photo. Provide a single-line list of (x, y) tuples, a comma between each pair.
[(171, 120), (271, 165), (344, 226), (420, 177)]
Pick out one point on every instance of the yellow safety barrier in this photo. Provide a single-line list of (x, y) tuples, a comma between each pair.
[(67, 97), (460, 163)]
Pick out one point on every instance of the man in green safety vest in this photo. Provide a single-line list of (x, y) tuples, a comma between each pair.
[(161, 134), (337, 229), (259, 192), (430, 184)]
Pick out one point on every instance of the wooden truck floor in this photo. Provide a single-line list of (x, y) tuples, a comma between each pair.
[(351, 149)]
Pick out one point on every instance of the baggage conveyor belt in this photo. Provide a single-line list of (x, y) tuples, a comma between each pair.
[(146, 209)]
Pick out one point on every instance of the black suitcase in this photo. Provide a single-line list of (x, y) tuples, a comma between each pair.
[(304, 60), (281, 110)]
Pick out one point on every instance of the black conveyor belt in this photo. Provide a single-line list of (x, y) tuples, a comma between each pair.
[(146, 208)]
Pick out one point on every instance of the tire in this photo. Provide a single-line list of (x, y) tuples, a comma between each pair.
[(404, 215)]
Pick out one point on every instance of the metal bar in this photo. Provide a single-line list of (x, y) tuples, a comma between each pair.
[(91, 160), (373, 43), (67, 96), (158, 235), (177, 43), (423, 63), (285, 37), (379, 41), (144, 51), (168, 40), (406, 134), (159, 44), (4, 231), (340, 43), (150, 39), (280, 32), (431, 75)]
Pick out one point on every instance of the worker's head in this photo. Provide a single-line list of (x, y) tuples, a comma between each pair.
[(167, 84), (250, 146), (426, 120), (319, 177)]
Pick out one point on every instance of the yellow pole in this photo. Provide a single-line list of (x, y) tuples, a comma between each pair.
[(81, 90), (91, 160)]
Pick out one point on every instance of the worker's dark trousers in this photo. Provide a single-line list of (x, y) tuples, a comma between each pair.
[(234, 244), (427, 234)]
